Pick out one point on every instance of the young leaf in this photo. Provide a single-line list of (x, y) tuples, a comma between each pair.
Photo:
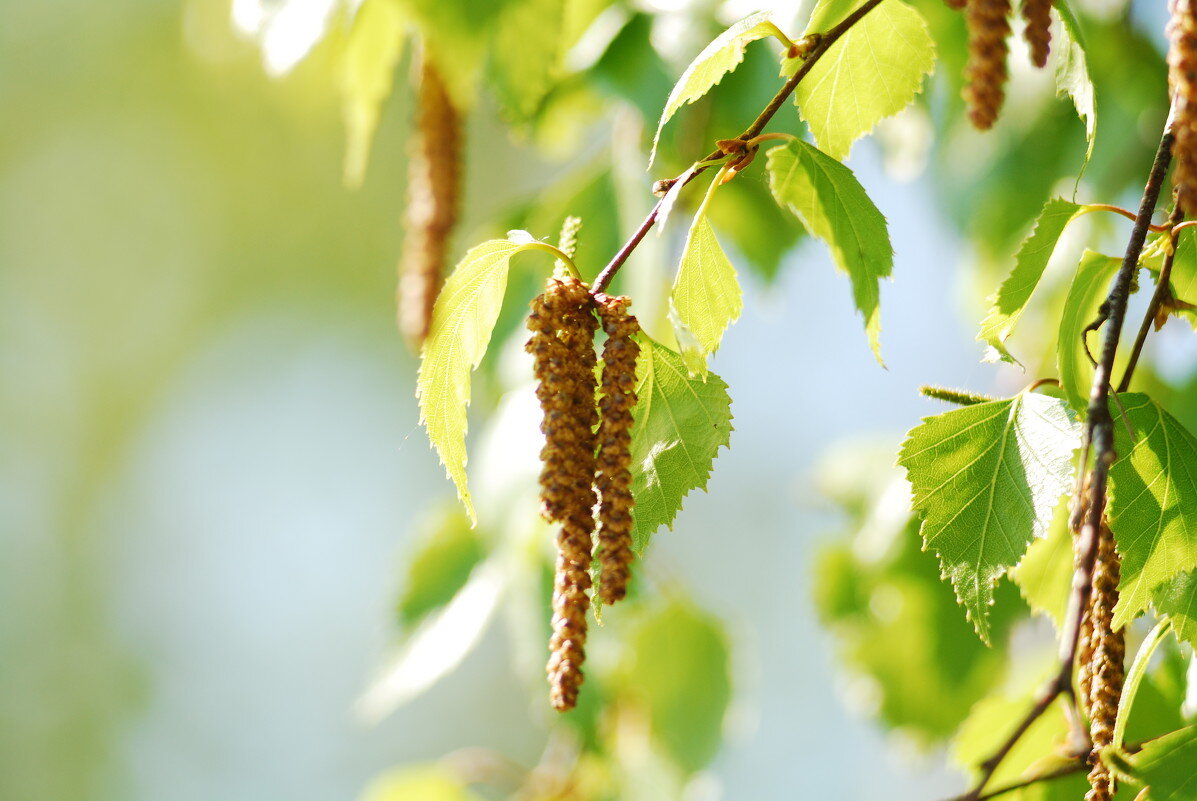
[(374, 46), (1153, 501), (1072, 75), (1085, 296), (680, 425), (1029, 263), (833, 206), (526, 53), (1178, 600), (873, 71), (679, 671), (986, 479), (706, 296), (462, 321), (717, 59), (1168, 766)]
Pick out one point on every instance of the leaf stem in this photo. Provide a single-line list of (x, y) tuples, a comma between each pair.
[(751, 132), (562, 257), (1091, 207)]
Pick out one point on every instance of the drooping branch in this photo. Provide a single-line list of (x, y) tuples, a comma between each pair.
[(825, 42)]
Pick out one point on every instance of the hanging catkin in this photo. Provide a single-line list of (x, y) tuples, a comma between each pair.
[(1107, 660), (988, 26), (614, 476), (1038, 31), (956, 5), (433, 188), (1182, 77), (562, 345)]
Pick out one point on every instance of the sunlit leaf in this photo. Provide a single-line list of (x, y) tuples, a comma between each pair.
[(448, 551), (1085, 296), (986, 480), (1044, 576), (374, 46), (1072, 74), (527, 52), (1168, 766), (833, 206), (1178, 600)]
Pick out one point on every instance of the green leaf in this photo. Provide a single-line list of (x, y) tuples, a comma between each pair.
[(371, 53), (526, 53), (1153, 501), (680, 425), (1072, 76), (833, 206), (1085, 296), (1029, 263), (986, 479), (1178, 600), (679, 672), (1184, 273), (462, 321), (418, 783), (1168, 765), (717, 59), (873, 71), (1044, 576), (706, 296), (448, 551)]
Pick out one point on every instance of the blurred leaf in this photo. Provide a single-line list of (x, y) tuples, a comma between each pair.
[(679, 671), (1085, 296), (632, 69), (717, 59), (1044, 576), (1178, 600), (462, 321), (873, 71), (1153, 502), (833, 206), (374, 46), (418, 783), (1168, 766), (1029, 263), (706, 296), (986, 479), (455, 37), (898, 623), (748, 218), (526, 53), (680, 425), (1072, 75), (449, 551), (1161, 696)]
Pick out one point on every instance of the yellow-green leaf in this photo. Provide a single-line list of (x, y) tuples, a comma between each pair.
[(374, 46), (1085, 297)]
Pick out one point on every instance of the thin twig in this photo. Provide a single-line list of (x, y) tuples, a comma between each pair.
[(1153, 308), (751, 132)]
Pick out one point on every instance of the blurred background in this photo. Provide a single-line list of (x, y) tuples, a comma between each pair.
[(212, 480)]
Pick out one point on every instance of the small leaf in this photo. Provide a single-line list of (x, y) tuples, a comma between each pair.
[(717, 59), (986, 479), (679, 670), (1085, 296), (371, 53), (1168, 766), (1029, 263), (873, 71), (1072, 76), (833, 206), (1178, 600), (526, 54), (680, 425), (706, 296), (462, 322), (1153, 501)]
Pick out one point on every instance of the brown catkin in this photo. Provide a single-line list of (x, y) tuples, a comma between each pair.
[(614, 476), (988, 26), (1038, 31), (562, 345), (956, 4), (433, 191), (1182, 76), (1107, 659)]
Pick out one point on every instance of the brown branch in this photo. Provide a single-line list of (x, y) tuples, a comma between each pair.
[(1161, 291), (751, 132)]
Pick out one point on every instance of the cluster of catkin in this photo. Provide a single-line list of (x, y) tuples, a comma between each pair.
[(1182, 78), (433, 194), (988, 24), (577, 459)]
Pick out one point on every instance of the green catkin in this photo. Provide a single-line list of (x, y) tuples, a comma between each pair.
[(988, 28), (959, 397), (562, 345), (614, 476), (1038, 31), (1182, 77), (433, 195)]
